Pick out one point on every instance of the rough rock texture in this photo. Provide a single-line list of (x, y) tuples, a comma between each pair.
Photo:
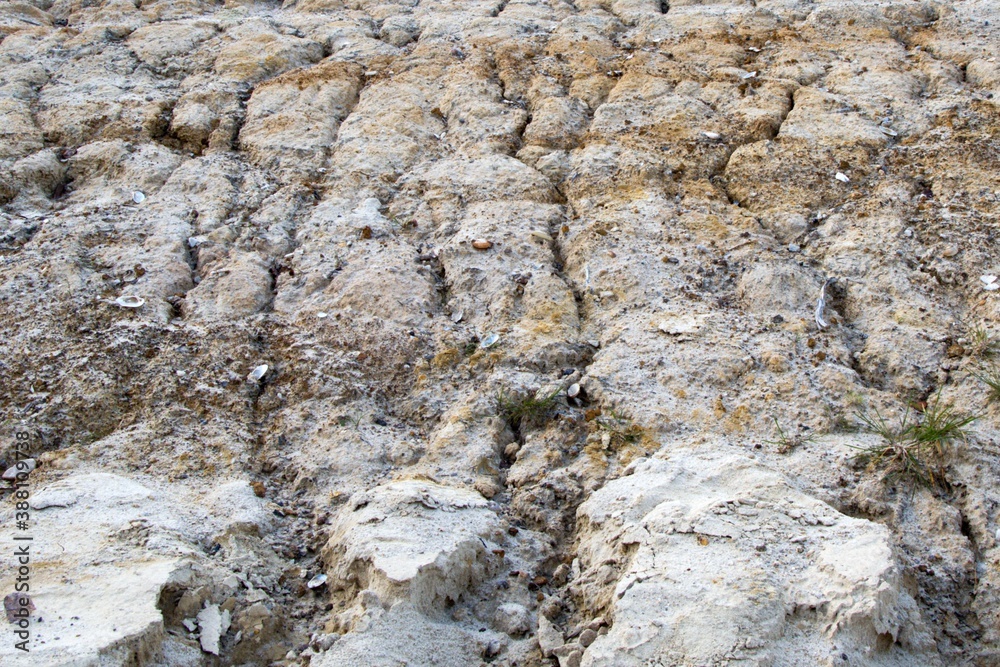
[(532, 285)]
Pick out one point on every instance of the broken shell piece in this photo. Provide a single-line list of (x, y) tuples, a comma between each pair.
[(574, 390), (21, 467), (482, 244), (457, 316), (990, 283), (130, 301), (257, 373), (490, 341), (321, 315), (317, 581), (749, 75), (138, 197), (541, 235), (888, 131), (842, 177), (712, 135)]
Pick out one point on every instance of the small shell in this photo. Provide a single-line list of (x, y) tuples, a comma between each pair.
[(842, 177), (138, 197), (482, 244), (23, 466), (130, 301), (574, 390), (317, 581), (541, 235), (457, 316), (712, 135), (988, 279), (749, 75), (888, 131), (258, 373), (321, 315), (753, 49), (490, 341)]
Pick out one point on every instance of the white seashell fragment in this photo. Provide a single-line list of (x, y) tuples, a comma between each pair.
[(541, 235), (138, 197), (749, 75), (258, 373), (990, 283), (490, 341), (888, 131), (712, 135), (457, 316), (574, 390), (23, 467), (842, 177), (130, 301), (321, 315), (317, 581)]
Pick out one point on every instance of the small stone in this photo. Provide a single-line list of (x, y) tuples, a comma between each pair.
[(482, 244), (597, 623), (587, 637), (24, 467), (512, 619), (138, 197), (842, 177), (794, 247), (17, 606), (549, 637), (258, 489)]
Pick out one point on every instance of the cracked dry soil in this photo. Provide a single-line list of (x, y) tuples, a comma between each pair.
[(530, 289)]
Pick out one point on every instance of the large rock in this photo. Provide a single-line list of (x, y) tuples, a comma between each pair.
[(690, 552)]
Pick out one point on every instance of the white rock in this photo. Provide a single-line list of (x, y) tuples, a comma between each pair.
[(512, 619), (24, 466), (210, 629), (413, 540), (695, 581)]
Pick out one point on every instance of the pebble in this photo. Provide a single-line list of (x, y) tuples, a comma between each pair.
[(842, 177), (24, 466), (482, 244), (587, 637), (138, 197), (794, 247)]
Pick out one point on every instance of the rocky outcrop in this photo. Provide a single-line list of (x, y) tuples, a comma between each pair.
[(519, 333)]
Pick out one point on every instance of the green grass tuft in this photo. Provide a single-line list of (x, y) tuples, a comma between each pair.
[(914, 446)]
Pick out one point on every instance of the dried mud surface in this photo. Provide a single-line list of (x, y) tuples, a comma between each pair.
[(420, 214)]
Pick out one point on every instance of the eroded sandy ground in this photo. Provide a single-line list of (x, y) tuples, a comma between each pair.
[(664, 189)]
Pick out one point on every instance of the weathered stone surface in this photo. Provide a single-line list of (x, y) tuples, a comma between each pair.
[(428, 220)]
